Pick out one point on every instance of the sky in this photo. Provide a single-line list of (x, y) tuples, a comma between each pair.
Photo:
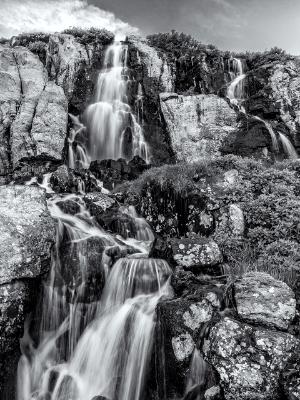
[(235, 25)]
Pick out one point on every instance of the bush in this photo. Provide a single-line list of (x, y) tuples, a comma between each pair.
[(91, 36)]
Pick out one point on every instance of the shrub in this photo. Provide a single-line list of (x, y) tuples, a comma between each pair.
[(91, 36)]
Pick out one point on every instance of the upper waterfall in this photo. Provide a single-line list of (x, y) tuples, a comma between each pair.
[(235, 91), (112, 130)]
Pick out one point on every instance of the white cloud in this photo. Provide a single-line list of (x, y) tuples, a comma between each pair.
[(21, 16)]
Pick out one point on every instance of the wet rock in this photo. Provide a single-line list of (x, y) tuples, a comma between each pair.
[(196, 253), (180, 322), (249, 360), (69, 206), (27, 232), (262, 299), (114, 172), (97, 203), (17, 299), (82, 269), (66, 180), (197, 125)]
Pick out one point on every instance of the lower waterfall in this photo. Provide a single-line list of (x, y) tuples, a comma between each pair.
[(97, 321)]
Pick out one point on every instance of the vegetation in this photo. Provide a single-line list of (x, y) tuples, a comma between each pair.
[(269, 196), (91, 36), (257, 59), (192, 59)]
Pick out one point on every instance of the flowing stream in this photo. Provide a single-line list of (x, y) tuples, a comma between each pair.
[(97, 318), (112, 131), (92, 334)]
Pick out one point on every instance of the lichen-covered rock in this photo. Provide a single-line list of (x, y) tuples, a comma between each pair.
[(236, 220), (262, 299), (27, 233), (249, 360), (196, 252), (197, 124)]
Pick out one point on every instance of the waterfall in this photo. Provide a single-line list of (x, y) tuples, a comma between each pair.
[(98, 317), (111, 130), (235, 91), (288, 147)]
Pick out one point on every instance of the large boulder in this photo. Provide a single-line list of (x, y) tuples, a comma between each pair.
[(262, 299), (249, 360), (196, 253), (197, 125), (27, 233)]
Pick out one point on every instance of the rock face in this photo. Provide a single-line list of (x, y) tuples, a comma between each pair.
[(33, 123), (250, 360), (197, 125), (27, 233), (261, 299), (196, 253)]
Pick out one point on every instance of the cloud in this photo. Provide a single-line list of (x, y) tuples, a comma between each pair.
[(21, 16)]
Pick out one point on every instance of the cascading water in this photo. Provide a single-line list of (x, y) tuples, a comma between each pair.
[(112, 131), (271, 132), (235, 91), (90, 344), (288, 147)]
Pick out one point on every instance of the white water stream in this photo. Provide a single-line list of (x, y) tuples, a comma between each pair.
[(235, 94)]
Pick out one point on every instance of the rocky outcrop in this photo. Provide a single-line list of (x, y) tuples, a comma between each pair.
[(33, 123), (27, 233), (249, 360), (197, 125), (263, 300)]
